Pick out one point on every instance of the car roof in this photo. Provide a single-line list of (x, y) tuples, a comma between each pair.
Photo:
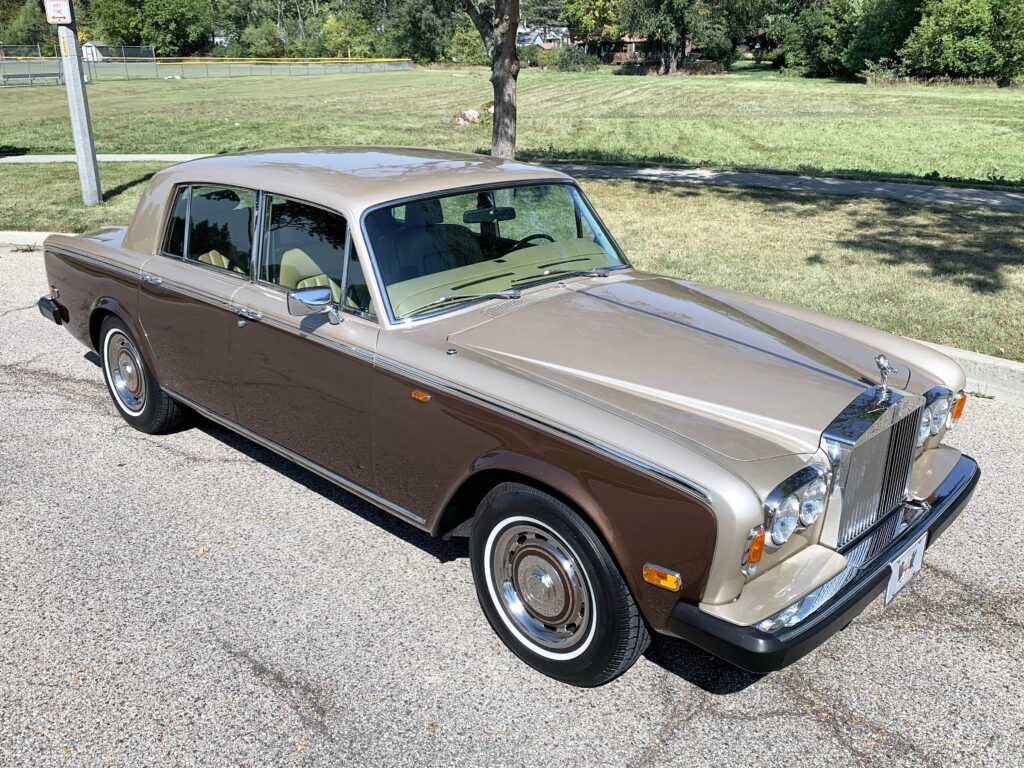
[(354, 178)]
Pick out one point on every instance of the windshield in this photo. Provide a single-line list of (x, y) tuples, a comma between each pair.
[(436, 254)]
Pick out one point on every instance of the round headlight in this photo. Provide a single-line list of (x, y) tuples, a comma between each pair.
[(940, 410), (813, 501), (785, 519), (925, 427)]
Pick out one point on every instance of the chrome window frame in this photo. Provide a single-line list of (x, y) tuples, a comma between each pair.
[(347, 252), (184, 259), (382, 288)]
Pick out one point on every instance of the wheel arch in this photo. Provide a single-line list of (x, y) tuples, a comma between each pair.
[(105, 307)]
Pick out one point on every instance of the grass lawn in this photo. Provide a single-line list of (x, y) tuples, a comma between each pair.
[(940, 273), (750, 119)]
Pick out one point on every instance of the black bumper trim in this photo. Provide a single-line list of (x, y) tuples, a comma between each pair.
[(762, 652), (50, 309)]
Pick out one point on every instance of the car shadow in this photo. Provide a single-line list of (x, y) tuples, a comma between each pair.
[(698, 667), (444, 551)]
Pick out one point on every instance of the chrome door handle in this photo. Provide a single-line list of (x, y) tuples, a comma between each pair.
[(250, 314), (151, 280)]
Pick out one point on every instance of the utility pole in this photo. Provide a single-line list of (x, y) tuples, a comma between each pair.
[(60, 12)]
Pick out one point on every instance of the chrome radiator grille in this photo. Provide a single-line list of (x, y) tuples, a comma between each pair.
[(876, 475)]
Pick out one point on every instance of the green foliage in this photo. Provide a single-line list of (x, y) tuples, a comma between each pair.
[(28, 27), (570, 59), (822, 33), (177, 27), (466, 47), (118, 22), (348, 34), (529, 55), (262, 40), (548, 59), (881, 28), (967, 39), (592, 18)]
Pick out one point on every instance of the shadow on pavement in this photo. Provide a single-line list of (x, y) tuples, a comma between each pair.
[(698, 667)]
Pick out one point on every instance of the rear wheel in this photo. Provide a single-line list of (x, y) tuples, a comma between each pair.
[(551, 590), (132, 387)]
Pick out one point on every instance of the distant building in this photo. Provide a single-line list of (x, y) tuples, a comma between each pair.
[(91, 50), (544, 37)]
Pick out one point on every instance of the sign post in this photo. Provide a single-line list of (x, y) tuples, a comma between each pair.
[(59, 12)]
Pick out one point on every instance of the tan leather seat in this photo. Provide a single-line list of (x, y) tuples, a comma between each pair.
[(217, 259), (299, 271)]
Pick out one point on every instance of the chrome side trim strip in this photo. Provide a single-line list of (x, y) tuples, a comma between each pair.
[(690, 488), (303, 462), (297, 330)]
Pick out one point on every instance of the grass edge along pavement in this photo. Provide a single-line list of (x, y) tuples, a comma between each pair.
[(948, 275)]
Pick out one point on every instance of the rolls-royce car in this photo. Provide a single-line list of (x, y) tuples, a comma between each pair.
[(459, 340)]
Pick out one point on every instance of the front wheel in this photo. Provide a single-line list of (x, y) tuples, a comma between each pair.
[(132, 387), (551, 590)]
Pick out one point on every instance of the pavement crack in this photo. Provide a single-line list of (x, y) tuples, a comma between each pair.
[(7, 312)]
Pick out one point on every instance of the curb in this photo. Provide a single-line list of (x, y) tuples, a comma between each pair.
[(35, 239), (987, 375)]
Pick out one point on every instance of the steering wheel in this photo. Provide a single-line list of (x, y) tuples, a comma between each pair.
[(520, 243)]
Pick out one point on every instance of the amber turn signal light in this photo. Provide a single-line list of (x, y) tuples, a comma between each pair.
[(662, 577), (958, 406), (756, 548), (423, 397)]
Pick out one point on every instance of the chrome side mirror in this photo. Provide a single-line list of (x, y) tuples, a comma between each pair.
[(309, 301)]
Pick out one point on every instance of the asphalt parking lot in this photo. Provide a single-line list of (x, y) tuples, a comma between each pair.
[(193, 599)]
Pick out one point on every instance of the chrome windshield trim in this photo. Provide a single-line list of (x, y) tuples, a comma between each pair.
[(372, 257), (689, 487), (303, 462)]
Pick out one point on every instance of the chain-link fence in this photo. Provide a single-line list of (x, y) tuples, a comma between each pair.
[(101, 62)]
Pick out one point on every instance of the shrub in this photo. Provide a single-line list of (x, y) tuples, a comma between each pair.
[(466, 47), (572, 59), (881, 28), (529, 55), (547, 59), (954, 39)]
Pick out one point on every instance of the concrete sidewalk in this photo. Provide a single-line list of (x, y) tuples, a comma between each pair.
[(924, 193)]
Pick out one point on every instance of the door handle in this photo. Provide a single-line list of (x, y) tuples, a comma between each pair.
[(149, 279), (249, 314)]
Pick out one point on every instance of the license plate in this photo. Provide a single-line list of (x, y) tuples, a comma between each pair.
[(905, 567)]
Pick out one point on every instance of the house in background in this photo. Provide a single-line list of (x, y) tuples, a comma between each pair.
[(544, 37)]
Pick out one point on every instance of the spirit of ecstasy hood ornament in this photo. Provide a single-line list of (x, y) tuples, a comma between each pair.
[(884, 369)]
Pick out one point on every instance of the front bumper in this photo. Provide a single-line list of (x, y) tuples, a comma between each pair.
[(763, 652)]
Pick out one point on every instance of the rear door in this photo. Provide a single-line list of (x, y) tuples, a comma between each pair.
[(185, 301)]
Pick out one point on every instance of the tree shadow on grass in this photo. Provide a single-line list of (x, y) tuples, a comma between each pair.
[(554, 155), (973, 247), (8, 150)]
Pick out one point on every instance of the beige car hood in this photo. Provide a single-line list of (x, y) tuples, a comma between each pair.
[(739, 379)]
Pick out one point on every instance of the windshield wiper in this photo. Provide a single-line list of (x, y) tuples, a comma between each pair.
[(511, 293), (601, 272)]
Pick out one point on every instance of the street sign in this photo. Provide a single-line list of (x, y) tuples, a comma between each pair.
[(58, 11)]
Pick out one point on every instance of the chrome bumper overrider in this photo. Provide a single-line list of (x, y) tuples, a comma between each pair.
[(839, 600)]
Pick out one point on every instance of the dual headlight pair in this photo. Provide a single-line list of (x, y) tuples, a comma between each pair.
[(942, 411), (796, 503)]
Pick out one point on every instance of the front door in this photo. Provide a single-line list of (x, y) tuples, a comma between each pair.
[(303, 382), (185, 298)]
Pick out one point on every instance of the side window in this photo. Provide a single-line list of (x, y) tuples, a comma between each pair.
[(221, 222), (357, 295), (304, 246), (174, 240)]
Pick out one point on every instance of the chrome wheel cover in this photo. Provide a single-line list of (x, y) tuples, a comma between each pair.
[(124, 371), (540, 586)]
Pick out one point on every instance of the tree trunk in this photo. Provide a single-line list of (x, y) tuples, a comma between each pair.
[(673, 60), (497, 27), (504, 74)]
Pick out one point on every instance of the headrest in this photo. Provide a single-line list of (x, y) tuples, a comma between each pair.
[(424, 212)]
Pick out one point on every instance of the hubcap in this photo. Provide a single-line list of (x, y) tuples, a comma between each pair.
[(125, 371), (541, 586)]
